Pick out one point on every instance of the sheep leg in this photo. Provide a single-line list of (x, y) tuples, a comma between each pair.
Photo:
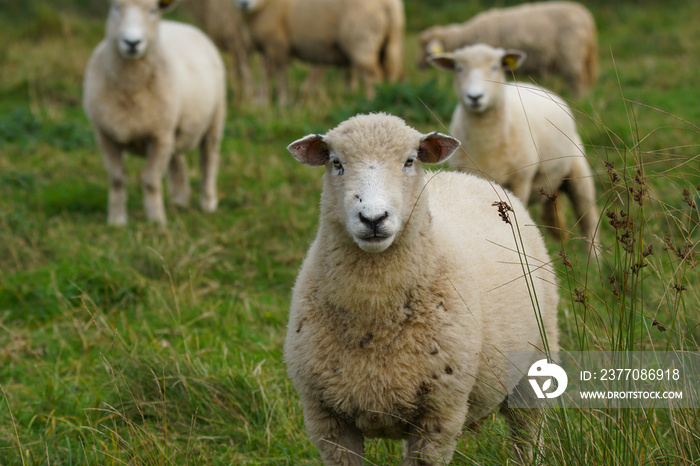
[(581, 190), (521, 185), (553, 219), (523, 427), (241, 65), (209, 156), (523, 423), (263, 97), (523, 430), (342, 447), (157, 160), (352, 79), (366, 64), (178, 183), (338, 443), (280, 73), (313, 80), (427, 446), (276, 71), (114, 162)]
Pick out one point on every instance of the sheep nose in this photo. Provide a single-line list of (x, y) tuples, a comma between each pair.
[(474, 98), (132, 44), (374, 222)]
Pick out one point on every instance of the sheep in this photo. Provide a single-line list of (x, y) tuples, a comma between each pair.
[(365, 35), (223, 23), (410, 296), (519, 135), (156, 89), (557, 37)]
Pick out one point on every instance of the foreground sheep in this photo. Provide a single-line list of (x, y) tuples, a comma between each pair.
[(156, 89), (557, 37), (521, 136), (410, 297), (366, 35), (223, 23)]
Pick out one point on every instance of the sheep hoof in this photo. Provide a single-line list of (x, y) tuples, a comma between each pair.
[(181, 203), (209, 204), (116, 220)]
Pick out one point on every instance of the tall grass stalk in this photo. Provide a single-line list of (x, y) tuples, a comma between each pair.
[(631, 297)]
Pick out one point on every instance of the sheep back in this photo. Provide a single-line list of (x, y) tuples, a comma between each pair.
[(335, 32), (558, 37)]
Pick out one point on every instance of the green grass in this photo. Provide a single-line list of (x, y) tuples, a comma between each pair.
[(149, 345)]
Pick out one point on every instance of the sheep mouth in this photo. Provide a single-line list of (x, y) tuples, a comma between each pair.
[(374, 243), (131, 53), (375, 238), (475, 107)]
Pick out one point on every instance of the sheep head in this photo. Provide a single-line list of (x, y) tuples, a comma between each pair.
[(374, 178), (429, 46), (479, 73), (132, 25)]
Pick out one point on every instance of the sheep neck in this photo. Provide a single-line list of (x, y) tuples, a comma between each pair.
[(483, 127), (371, 290), (132, 75)]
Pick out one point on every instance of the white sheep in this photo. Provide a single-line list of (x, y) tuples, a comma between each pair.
[(411, 296), (520, 135), (365, 35), (156, 89), (223, 23), (558, 37)]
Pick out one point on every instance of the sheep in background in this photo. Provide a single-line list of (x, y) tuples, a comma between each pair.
[(557, 37), (411, 297), (223, 23), (520, 135), (156, 89), (365, 35)]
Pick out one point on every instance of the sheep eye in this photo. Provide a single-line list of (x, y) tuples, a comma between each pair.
[(409, 163), (338, 166)]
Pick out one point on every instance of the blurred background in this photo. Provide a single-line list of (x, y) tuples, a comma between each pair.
[(146, 345)]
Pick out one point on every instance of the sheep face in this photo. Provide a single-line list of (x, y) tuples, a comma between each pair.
[(133, 25), (373, 177), (479, 73)]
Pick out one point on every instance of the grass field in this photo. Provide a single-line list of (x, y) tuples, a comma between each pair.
[(151, 345)]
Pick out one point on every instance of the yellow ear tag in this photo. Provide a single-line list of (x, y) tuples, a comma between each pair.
[(435, 48), (510, 61)]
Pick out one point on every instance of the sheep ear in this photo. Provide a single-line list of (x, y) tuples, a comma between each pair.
[(166, 5), (443, 60), (434, 47), (513, 59), (311, 150), (436, 147)]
